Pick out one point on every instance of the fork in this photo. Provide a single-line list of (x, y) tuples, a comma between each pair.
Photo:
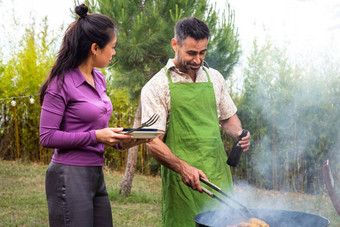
[(152, 120)]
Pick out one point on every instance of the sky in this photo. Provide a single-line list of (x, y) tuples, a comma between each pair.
[(57, 12), (306, 26), (307, 29)]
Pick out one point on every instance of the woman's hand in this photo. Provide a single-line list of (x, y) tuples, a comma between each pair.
[(111, 136)]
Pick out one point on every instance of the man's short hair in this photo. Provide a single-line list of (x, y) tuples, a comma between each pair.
[(193, 27)]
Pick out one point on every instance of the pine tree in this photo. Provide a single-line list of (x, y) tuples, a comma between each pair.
[(145, 29)]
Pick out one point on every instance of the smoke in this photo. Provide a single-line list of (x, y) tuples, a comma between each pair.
[(275, 208), (292, 108), (295, 110)]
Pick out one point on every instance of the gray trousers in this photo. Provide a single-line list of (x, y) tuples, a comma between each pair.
[(77, 196)]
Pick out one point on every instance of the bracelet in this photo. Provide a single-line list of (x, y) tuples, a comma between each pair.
[(117, 146)]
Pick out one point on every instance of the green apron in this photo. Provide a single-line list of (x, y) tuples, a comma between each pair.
[(194, 136)]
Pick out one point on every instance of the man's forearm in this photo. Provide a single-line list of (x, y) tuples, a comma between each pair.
[(189, 174), (232, 126), (161, 152)]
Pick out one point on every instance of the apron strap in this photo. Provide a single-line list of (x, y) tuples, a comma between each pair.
[(167, 74), (169, 78), (206, 72)]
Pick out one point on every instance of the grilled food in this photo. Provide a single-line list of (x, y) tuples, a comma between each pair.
[(253, 222), (259, 222), (246, 224)]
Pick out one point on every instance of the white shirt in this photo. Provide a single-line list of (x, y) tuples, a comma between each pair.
[(155, 96)]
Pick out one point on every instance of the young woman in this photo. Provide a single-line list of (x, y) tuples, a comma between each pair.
[(74, 120)]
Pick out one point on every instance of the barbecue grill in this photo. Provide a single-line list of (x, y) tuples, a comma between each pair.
[(274, 218)]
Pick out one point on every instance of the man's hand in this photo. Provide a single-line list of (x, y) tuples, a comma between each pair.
[(191, 176), (245, 141), (233, 128)]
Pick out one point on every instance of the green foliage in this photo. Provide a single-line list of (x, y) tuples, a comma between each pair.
[(145, 29), (293, 115), (224, 47), (21, 76)]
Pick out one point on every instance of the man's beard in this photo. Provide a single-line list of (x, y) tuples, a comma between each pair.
[(185, 66)]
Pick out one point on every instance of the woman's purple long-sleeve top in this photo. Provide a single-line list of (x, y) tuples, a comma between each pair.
[(70, 114)]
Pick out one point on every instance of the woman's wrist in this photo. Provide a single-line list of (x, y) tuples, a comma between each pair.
[(97, 133)]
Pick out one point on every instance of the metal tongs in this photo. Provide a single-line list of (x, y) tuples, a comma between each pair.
[(245, 211)]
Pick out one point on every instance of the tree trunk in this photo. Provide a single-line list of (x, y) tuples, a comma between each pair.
[(295, 162), (258, 143), (142, 158), (328, 178), (17, 147), (302, 175), (246, 166), (274, 170), (125, 188), (286, 173), (131, 162)]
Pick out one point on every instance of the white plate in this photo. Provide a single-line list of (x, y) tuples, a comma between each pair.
[(145, 134)]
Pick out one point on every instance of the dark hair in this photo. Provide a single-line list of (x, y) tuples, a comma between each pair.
[(77, 42), (192, 27)]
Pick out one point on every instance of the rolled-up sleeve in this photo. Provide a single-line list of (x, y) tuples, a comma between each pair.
[(226, 106), (154, 101)]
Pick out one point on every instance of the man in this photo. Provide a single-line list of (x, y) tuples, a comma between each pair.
[(192, 100)]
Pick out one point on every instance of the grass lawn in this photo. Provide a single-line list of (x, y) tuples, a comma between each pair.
[(23, 202)]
